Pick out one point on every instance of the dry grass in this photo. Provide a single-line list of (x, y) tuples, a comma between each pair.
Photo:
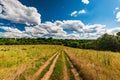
[(96, 65), (32, 56), (91, 64)]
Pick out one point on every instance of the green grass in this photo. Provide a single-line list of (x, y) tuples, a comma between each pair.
[(96, 65), (46, 69), (33, 56), (58, 70), (21, 77), (91, 64), (70, 74)]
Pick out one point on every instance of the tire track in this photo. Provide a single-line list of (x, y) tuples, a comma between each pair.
[(35, 76), (74, 70), (65, 73), (48, 74)]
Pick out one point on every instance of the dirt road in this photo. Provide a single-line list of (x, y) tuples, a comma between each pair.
[(52, 63)]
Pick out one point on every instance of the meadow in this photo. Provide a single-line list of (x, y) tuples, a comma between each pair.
[(28, 58), (53, 62), (95, 65)]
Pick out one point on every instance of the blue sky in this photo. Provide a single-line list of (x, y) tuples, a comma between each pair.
[(76, 19)]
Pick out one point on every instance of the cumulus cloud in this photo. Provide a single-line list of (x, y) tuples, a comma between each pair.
[(66, 29), (76, 13), (85, 1), (57, 29), (15, 11), (0, 9), (118, 16), (12, 33), (73, 25), (113, 31)]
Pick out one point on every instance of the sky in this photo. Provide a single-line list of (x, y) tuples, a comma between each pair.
[(61, 19)]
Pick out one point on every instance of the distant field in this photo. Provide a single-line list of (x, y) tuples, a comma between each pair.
[(53, 62)]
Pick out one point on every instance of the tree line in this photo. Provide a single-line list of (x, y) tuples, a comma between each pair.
[(105, 42), (108, 42)]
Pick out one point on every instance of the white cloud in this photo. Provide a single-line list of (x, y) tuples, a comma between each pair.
[(56, 30), (78, 30), (117, 8), (82, 12), (73, 25), (12, 33), (9, 29), (118, 16), (76, 13), (85, 1), (113, 31), (16, 12), (35, 30), (0, 9)]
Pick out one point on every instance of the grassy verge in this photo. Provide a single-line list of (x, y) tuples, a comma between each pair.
[(58, 70), (70, 74)]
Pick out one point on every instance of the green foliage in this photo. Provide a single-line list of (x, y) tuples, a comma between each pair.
[(65, 42), (108, 42), (105, 42), (118, 33)]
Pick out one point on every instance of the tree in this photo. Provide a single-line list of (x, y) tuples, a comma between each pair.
[(118, 33), (108, 42)]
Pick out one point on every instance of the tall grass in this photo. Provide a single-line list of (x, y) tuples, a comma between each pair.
[(69, 68), (96, 65), (32, 56)]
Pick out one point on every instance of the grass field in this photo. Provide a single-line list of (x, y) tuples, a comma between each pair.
[(35, 62), (95, 65), (31, 57)]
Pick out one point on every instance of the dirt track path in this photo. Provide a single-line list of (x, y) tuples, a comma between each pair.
[(65, 74), (74, 70), (48, 74), (35, 76)]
